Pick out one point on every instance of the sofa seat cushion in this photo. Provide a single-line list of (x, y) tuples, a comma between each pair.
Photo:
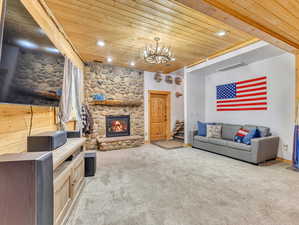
[(215, 141), (229, 131), (218, 141), (201, 138), (239, 146)]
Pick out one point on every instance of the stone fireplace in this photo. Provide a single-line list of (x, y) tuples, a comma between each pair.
[(117, 126)]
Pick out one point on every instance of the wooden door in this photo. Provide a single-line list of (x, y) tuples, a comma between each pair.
[(159, 116)]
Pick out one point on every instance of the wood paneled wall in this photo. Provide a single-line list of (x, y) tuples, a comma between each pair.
[(15, 125)]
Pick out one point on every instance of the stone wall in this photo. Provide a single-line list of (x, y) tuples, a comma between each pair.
[(114, 83)]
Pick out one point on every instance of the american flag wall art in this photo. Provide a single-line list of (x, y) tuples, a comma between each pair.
[(242, 95)]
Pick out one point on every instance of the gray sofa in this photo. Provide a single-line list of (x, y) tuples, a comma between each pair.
[(261, 149)]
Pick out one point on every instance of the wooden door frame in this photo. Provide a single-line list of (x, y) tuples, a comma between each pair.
[(168, 113)]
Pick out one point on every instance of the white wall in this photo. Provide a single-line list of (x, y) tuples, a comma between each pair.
[(177, 104), (280, 72), (195, 102)]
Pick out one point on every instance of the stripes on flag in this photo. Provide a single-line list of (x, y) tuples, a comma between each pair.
[(243, 95)]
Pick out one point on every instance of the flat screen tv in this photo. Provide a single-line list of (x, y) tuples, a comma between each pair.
[(31, 69)]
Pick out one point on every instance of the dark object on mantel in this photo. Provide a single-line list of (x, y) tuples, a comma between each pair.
[(90, 163), (118, 102), (26, 188), (46, 141)]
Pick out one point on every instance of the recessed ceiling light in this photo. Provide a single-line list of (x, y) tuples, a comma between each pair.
[(109, 59), (132, 63), (101, 43), (221, 33), (52, 50), (27, 44)]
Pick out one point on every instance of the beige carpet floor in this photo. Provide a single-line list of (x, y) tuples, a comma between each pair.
[(151, 186)]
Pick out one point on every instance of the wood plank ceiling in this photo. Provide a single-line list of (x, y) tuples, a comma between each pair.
[(278, 18), (127, 26)]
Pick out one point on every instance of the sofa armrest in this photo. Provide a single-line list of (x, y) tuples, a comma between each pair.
[(265, 148)]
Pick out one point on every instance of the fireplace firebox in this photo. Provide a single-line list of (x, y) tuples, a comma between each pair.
[(117, 126)]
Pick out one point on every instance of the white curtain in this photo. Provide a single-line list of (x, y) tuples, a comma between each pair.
[(71, 94), (77, 89)]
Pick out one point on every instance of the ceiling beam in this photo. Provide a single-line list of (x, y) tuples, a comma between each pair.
[(238, 21)]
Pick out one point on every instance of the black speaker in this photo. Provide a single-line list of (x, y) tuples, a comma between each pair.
[(46, 141), (73, 134), (26, 188), (90, 163)]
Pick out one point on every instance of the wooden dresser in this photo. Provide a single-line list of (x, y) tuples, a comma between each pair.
[(68, 166)]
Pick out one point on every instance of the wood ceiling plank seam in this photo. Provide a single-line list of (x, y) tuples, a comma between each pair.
[(236, 20), (78, 36), (202, 45), (157, 23), (205, 26), (286, 15), (58, 26), (205, 18), (185, 56), (166, 33), (126, 64), (142, 66), (150, 28), (207, 43), (259, 29), (291, 5), (250, 8), (182, 27), (179, 9)]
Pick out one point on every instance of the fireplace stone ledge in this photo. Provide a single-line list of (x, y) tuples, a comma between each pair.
[(116, 143)]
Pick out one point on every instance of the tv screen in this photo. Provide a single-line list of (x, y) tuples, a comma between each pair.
[(31, 69)]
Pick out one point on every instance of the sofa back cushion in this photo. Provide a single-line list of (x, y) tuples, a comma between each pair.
[(214, 131), (263, 131), (229, 131), (202, 128)]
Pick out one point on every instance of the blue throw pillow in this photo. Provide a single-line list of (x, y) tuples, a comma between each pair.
[(202, 128), (254, 133)]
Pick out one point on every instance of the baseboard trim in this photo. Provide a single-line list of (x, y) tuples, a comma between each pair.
[(284, 160)]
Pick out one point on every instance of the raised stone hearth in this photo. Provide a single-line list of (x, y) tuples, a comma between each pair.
[(121, 85), (112, 143)]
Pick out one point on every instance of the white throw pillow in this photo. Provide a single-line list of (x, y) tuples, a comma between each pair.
[(214, 131)]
